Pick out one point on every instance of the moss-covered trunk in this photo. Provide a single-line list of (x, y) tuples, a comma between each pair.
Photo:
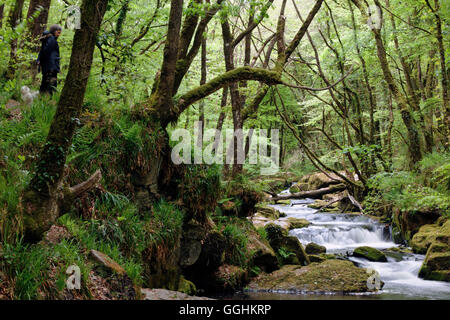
[(15, 17), (45, 195)]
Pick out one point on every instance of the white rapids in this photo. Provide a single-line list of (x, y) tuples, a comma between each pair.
[(342, 233)]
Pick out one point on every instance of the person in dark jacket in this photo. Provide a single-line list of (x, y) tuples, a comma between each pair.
[(48, 59)]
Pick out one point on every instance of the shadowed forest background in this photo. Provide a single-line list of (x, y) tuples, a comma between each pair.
[(86, 174)]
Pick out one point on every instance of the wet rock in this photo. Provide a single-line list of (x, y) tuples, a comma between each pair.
[(314, 248), (268, 212), (370, 254), (324, 207), (397, 254), (400, 249), (327, 276), (317, 204), (297, 223)]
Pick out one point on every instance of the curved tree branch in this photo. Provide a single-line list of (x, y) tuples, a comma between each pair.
[(238, 74)]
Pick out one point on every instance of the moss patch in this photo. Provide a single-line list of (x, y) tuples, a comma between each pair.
[(370, 254), (328, 276)]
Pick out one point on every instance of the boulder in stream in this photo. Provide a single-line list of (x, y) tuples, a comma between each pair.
[(314, 248), (297, 223), (370, 254), (268, 212), (336, 276)]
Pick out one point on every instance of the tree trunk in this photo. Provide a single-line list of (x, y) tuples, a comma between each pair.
[(45, 195), (444, 123), (2, 9), (201, 108), (15, 17)]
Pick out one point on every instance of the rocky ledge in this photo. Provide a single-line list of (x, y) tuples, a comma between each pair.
[(163, 294)]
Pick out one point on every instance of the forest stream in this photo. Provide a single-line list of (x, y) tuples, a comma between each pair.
[(342, 233)]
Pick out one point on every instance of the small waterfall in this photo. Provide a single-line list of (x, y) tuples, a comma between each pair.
[(342, 233), (342, 237), (337, 232)]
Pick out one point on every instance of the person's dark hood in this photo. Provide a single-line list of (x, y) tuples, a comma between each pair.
[(45, 35)]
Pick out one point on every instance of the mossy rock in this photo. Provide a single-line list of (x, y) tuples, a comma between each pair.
[(337, 276), (320, 180), (262, 254), (285, 202), (187, 287), (268, 212), (286, 256), (297, 223), (316, 258), (422, 240), (318, 204), (314, 248), (370, 254), (328, 256), (436, 265), (302, 186), (408, 223), (229, 278), (279, 239), (400, 249), (294, 189), (275, 234)]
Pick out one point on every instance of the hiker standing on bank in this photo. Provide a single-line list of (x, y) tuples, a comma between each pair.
[(48, 59)]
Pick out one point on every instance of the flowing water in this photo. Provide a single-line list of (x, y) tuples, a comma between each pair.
[(342, 233)]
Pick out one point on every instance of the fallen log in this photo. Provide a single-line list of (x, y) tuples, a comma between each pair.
[(313, 194)]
